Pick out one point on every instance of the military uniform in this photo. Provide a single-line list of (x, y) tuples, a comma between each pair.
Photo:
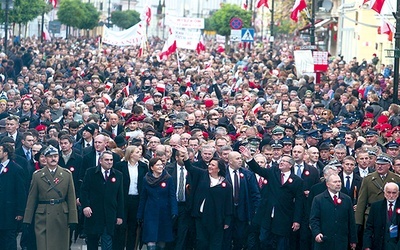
[(371, 191), (52, 201)]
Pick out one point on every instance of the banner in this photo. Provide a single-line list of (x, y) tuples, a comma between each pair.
[(185, 22), (304, 61), (187, 38), (131, 36)]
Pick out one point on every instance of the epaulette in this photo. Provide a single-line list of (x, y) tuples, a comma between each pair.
[(37, 171)]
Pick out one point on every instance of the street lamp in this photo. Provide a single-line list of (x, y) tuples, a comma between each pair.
[(271, 37), (312, 26), (6, 10)]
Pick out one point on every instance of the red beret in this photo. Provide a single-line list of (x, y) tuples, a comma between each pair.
[(209, 103), (40, 127), (382, 119), (365, 124), (369, 115)]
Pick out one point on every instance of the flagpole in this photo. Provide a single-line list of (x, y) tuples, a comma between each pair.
[(177, 58), (271, 37)]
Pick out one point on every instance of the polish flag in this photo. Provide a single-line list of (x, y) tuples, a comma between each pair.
[(126, 90), (106, 99), (53, 3), (386, 28), (125, 112), (256, 108), (189, 88), (160, 87), (200, 45), (169, 47), (244, 5), (299, 5), (221, 48), (142, 47), (377, 5), (261, 3), (146, 15), (109, 85), (46, 35)]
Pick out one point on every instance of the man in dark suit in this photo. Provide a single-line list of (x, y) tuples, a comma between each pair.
[(350, 140), (133, 172), (310, 177), (207, 153), (103, 201), (363, 163), (332, 218), (12, 125), (246, 198), (382, 216), (25, 152), (86, 140), (115, 128), (12, 197), (184, 223), (91, 158), (350, 181), (281, 208)]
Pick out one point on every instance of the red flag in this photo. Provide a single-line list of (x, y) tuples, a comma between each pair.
[(53, 3), (146, 15), (45, 34), (221, 48), (386, 28), (377, 5), (299, 5), (106, 99), (200, 45), (261, 3), (244, 5), (126, 90), (109, 85), (169, 47), (256, 108), (160, 87)]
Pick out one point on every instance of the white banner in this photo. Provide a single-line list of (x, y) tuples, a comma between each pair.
[(304, 61), (185, 22), (131, 36), (187, 38)]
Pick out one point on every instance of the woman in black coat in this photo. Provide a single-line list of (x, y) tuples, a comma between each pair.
[(158, 206), (212, 201)]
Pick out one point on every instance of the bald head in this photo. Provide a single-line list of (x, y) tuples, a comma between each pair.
[(235, 160), (391, 191)]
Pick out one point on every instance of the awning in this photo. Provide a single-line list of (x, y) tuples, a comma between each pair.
[(325, 22), (309, 25)]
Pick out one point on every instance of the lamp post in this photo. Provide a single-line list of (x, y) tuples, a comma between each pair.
[(312, 26), (109, 14), (271, 37), (396, 55), (7, 7)]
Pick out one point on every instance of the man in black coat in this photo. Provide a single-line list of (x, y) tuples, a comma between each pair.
[(133, 174), (350, 181), (363, 163), (382, 216), (102, 199), (332, 219), (12, 125), (184, 224), (281, 208), (246, 198), (115, 128), (12, 198)]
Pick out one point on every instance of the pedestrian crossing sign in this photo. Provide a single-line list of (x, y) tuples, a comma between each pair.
[(247, 35)]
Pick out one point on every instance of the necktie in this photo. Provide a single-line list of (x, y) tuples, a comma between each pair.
[(98, 159), (260, 182), (298, 173), (1, 168), (282, 178), (348, 183), (87, 144), (181, 184), (236, 191), (335, 199), (52, 172), (28, 155), (390, 211), (106, 175)]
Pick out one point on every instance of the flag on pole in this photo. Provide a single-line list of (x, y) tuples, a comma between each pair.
[(200, 45), (299, 5), (386, 28), (169, 46), (109, 85), (377, 5), (146, 15), (53, 3), (126, 90), (160, 87), (244, 5), (46, 35), (106, 99), (261, 3), (256, 108)]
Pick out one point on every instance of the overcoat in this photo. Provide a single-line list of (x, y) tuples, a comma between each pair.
[(156, 207), (105, 198), (51, 220), (12, 196), (335, 222)]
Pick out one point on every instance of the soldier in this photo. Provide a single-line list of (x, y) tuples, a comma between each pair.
[(52, 200), (372, 187)]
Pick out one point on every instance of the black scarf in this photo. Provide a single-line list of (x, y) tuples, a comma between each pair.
[(153, 181)]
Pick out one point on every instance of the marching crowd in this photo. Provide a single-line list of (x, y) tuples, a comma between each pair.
[(219, 150)]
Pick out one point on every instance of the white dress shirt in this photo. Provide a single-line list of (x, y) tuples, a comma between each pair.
[(133, 176)]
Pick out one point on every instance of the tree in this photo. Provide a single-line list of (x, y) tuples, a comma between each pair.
[(71, 12), (125, 19), (25, 11), (90, 18), (222, 18)]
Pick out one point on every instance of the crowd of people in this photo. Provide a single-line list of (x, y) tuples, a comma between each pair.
[(219, 150)]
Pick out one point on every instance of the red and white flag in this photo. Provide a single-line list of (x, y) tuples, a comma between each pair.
[(53, 3), (261, 3), (146, 15), (244, 5), (169, 47), (142, 48), (106, 99), (160, 87), (256, 108), (375, 5), (200, 45), (221, 48), (46, 35), (126, 90), (109, 85), (299, 5), (387, 28)]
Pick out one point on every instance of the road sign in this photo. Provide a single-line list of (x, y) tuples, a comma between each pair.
[(247, 35), (236, 23), (236, 35), (54, 26)]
